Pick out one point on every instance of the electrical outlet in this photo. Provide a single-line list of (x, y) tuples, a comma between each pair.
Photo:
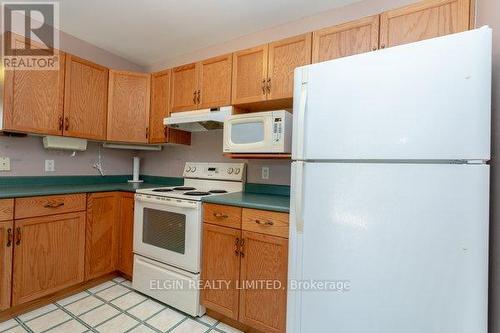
[(265, 172), (49, 166), (4, 164)]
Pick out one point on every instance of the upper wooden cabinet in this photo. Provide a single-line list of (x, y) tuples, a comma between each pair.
[(202, 85), (6, 245), (427, 19), (346, 39), (266, 72), (160, 108), (128, 107), (48, 256), (85, 99), (33, 99)]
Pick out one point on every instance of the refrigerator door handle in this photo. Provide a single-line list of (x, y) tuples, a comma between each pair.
[(298, 193), (300, 128)]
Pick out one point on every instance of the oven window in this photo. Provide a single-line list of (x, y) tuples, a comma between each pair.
[(250, 132), (163, 229)]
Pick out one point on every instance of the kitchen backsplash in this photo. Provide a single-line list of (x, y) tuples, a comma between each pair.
[(27, 158)]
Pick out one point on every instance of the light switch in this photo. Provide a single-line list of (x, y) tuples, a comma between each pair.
[(4, 164), (49, 166), (265, 172)]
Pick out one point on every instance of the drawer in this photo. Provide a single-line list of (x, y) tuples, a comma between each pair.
[(48, 205), (265, 222), (6, 209), (226, 216)]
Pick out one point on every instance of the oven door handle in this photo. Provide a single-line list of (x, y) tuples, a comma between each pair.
[(171, 202)]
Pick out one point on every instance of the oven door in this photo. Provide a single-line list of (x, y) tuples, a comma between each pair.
[(250, 134), (169, 231)]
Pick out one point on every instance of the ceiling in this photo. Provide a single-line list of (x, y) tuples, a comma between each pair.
[(150, 31)]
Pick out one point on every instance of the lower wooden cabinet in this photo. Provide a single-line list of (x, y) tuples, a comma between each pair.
[(101, 233), (6, 245), (244, 272), (126, 234), (221, 262), (48, 255)]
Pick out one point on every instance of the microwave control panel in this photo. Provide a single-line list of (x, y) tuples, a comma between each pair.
[(277, 129)]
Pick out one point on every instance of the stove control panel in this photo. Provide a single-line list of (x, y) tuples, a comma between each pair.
[(221, 171)]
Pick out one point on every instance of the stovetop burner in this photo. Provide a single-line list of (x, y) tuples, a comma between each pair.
[(217, 191), (197, 193), (184, 188), (162, 190)]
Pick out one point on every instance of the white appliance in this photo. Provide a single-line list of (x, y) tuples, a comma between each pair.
[(64, 143), (199, 120), (390, 189), (168, 229), (259, 132)]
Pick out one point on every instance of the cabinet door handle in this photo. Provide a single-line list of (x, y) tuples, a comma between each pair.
[(9, 237), (18, 236), (269, 85), (66, 123), (268, 222), (198, 99), (375, 48), (382, 46), (242, 248), (263, 86), (53, 204), (220, 215), (237, 247), (61, 121), (194, 97)]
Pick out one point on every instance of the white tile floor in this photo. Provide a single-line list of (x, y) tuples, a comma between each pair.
[(111, 307)]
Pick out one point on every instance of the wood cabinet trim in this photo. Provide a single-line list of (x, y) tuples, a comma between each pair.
[(5, 264), (6, 209), (49, 205)]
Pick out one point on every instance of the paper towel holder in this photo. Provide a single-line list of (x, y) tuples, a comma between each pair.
[(135, 175)]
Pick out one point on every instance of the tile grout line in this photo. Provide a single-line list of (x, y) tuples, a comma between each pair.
[(76, 318), (23, 325)]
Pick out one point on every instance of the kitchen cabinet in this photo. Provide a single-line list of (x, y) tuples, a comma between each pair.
[(266, 72), (101, 233), (6, 246), (126, 234), (33, 99), (202, 85), (128, 107), (49, 205), (48, 255), (85, 99), (346, 39), (160, 109), (424, 20), (221, 262), (254, 250), (264, 258)]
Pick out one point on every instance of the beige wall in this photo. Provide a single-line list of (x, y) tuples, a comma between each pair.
[(488, 13)]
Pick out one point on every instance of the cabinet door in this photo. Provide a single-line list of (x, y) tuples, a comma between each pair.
[(220, 262), (263, 258), (33, 100), (6, 245), (284, 56), (101, 234), (185, 88), (160, 108), (250, 75), (215, 81), (126, 237), (85, 99), (346, 39), (48, 255), (426, 19), (128, 107)]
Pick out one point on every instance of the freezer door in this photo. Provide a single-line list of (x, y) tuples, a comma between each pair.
[(407, 242), (429, 100)]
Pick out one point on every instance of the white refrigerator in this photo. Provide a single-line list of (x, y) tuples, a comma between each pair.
[(390, 190)]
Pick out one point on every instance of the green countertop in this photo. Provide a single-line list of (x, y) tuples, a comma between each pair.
[(277, 203), (36, 190)]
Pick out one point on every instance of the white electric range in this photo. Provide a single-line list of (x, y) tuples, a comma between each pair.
[(168, 232)]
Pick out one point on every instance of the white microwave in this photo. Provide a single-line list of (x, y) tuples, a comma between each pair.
[(258, 132)]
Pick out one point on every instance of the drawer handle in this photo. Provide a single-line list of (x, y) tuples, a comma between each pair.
[(53, 204), (220, 215), (18, 236), (9, 237), (236, 247), (268, 222), (242, 248)]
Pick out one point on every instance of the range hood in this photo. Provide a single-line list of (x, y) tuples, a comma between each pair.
[(199, 120)]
